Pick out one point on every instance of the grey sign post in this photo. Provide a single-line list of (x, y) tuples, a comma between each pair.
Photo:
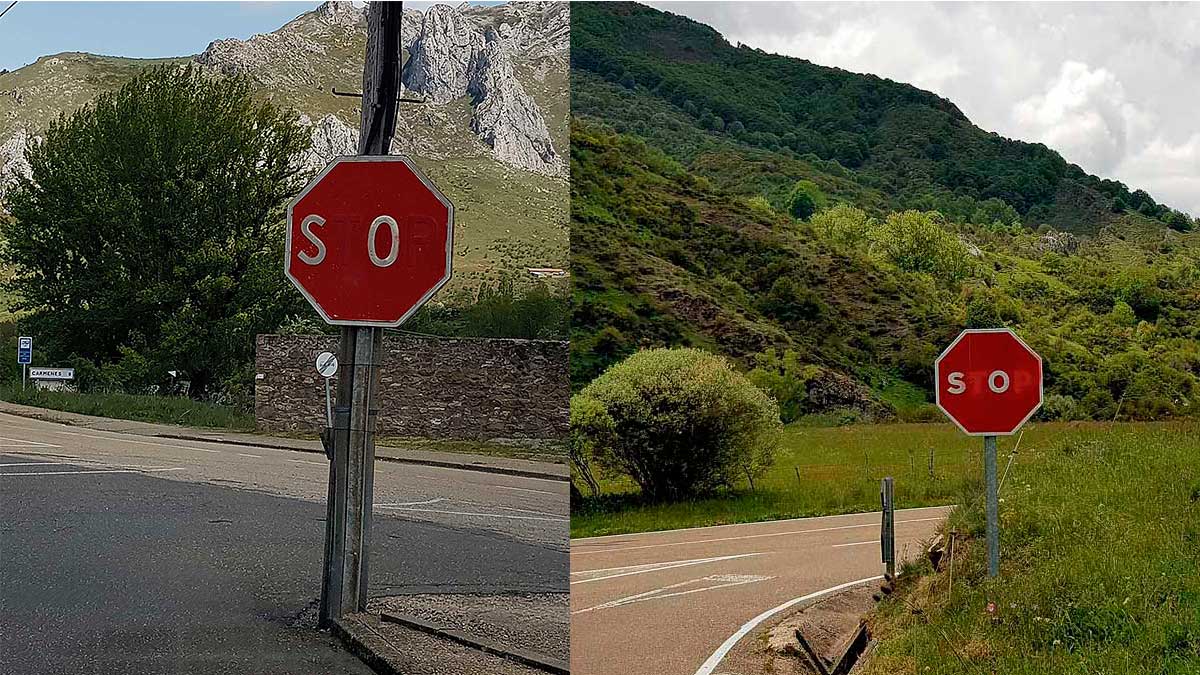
[(993, 505), (887, 535), (352, 465)]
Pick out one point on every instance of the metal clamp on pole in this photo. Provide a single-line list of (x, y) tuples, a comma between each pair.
[(341, 424)]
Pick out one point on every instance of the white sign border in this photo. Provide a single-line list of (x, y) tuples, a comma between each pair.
[(937, 379), (287, 245)]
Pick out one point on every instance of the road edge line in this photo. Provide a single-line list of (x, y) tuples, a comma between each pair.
[(442, 464), (710, 665)]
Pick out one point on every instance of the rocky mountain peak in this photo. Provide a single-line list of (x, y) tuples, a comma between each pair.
[(331, 138), (457, 54), (341, 14), (481, 69), (505, 117), (441, 54), (12, 159)]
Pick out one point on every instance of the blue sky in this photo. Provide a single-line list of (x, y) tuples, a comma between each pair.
[(137, 29)]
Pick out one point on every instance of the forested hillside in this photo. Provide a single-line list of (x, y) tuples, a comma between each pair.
[(831, 231), (914, 146)]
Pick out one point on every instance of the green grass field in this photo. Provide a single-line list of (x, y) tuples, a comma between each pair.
[(1100, 565), (819, 471), (838, 469), (1100, 540), (156, 409)]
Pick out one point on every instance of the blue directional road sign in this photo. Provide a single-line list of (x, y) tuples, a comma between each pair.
[(25, 350)]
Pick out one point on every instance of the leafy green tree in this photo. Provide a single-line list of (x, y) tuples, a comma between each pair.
[(785, 377), (150, 228), (1178, 221), (679, 422), (844, 224), (805, 199), (917, 241), (995, 211)]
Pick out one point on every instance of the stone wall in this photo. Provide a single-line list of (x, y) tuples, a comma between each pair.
[(430, 387)]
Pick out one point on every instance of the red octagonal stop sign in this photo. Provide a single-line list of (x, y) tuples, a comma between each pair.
[(988, 382), (369, 240)]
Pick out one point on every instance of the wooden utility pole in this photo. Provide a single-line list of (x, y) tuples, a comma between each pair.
[(352, 469)]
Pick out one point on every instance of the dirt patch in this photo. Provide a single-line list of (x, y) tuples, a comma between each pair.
[(828, 625), (391, 649)]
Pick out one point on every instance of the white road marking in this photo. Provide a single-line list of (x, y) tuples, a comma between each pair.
[(857, 543), (124, 439), (33, 463), (22, 443), (750, 536), (479, 515), (540, 513), (246, 454), (64, 473), (521, 489), (424, 503), (631, 570), (709, 666), (754, 524), (726, 581), (305, 461)]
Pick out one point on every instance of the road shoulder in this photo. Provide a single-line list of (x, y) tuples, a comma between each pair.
[(469, 462)]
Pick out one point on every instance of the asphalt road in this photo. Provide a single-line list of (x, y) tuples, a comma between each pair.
[(665, 602), (129, 554)]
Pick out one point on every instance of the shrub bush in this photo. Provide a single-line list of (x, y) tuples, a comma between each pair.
[(917, 241), (844, 224), (679, 422)]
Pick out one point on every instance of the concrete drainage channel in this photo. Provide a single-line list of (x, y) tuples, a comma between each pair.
[(467, 634), (848, 658)]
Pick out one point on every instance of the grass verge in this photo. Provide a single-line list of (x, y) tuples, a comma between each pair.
[(157, 409), (831, 470), (1100, 552), (538, 452), (819, 471)]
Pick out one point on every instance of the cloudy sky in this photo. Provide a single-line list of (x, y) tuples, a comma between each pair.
[(1114, 87)]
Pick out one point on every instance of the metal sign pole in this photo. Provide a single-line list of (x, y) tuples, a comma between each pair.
[(888, 532), (352, 470), (993, 505), (328, 405)]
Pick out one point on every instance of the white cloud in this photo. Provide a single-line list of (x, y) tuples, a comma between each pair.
[(1174, 170), (1082, 114), (1114, 87)]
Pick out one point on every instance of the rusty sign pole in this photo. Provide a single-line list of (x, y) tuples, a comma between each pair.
[(352, 469)]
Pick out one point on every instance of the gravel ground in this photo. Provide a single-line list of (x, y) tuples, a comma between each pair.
[(536, 622)]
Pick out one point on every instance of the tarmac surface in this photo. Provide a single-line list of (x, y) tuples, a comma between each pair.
[(667, 602), (130, 554)]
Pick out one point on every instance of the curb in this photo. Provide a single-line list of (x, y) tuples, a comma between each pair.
[(47, 415), (523, 657), (361, 649), (445, 464)]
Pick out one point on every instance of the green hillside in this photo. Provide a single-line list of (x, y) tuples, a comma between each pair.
[(508, 219), (682, 232), (914, 146)]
